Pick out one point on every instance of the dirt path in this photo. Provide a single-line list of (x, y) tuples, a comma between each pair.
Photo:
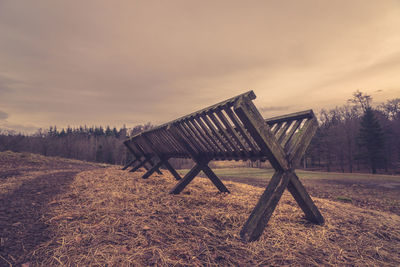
[(27, 187)]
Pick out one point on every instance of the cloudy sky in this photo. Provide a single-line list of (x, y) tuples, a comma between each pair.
[(130, 62)]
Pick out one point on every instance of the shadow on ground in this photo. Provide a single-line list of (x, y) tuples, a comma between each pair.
[(22, 227)]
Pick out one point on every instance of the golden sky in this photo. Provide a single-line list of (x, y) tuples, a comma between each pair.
[(130, 62)]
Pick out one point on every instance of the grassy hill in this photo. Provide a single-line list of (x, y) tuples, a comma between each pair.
[(62, 212)]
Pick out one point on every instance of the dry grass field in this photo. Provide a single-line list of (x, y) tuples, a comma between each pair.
[(58, 212), (379, 192)]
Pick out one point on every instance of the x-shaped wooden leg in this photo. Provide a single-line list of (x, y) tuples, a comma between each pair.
[(166, 164), (142, 163), (129, 164), (200, 166), (284, 177), (268, 201), (161, 162)]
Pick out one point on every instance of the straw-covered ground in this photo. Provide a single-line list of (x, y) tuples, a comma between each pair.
[(96, 216)]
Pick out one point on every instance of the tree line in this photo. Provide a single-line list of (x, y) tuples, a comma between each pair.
[(357, 137), (354, 137), (96, 143)]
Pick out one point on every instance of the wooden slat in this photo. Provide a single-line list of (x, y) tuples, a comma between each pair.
[(207, 131), (130, 148), (230, 101), (261, 133), (182, 139), (250, 142), (276, 128), (304, 200), (165, 143), (289, 135), (153, 141), (266, 205), (178, 147), (233, 133), (194, 139), (187, 138), (205, 136), (214, 178), (152, 170), (282, 131), (235, 148), (217, 134), (200, 138), (292, 116), (302, 141), (129, 164), (186, 180)]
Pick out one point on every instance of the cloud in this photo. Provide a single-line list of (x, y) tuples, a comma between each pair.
[(17, 128), (98, 63), (3, 115), (274, 108)]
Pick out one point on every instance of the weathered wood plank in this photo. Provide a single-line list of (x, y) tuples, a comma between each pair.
[(225, 135), (216, 133), (163, 160), (261, 133), (210, 142), (199, 138), (304, 200), (292, 116), (233, 133), (290, 134), (282, 131), (129, 164), (276, 128), (152, 170), (302, 141), (214, 179), (141, 164), (182, 140), (219, 148), (266, 205), (186, 138), (177, 147), (239, 126), (229, 102), (172, 170), (186, 180)]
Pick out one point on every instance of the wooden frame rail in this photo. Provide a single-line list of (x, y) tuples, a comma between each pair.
[(233, 130)]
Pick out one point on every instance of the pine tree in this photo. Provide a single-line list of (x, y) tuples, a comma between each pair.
[(371, 139)]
